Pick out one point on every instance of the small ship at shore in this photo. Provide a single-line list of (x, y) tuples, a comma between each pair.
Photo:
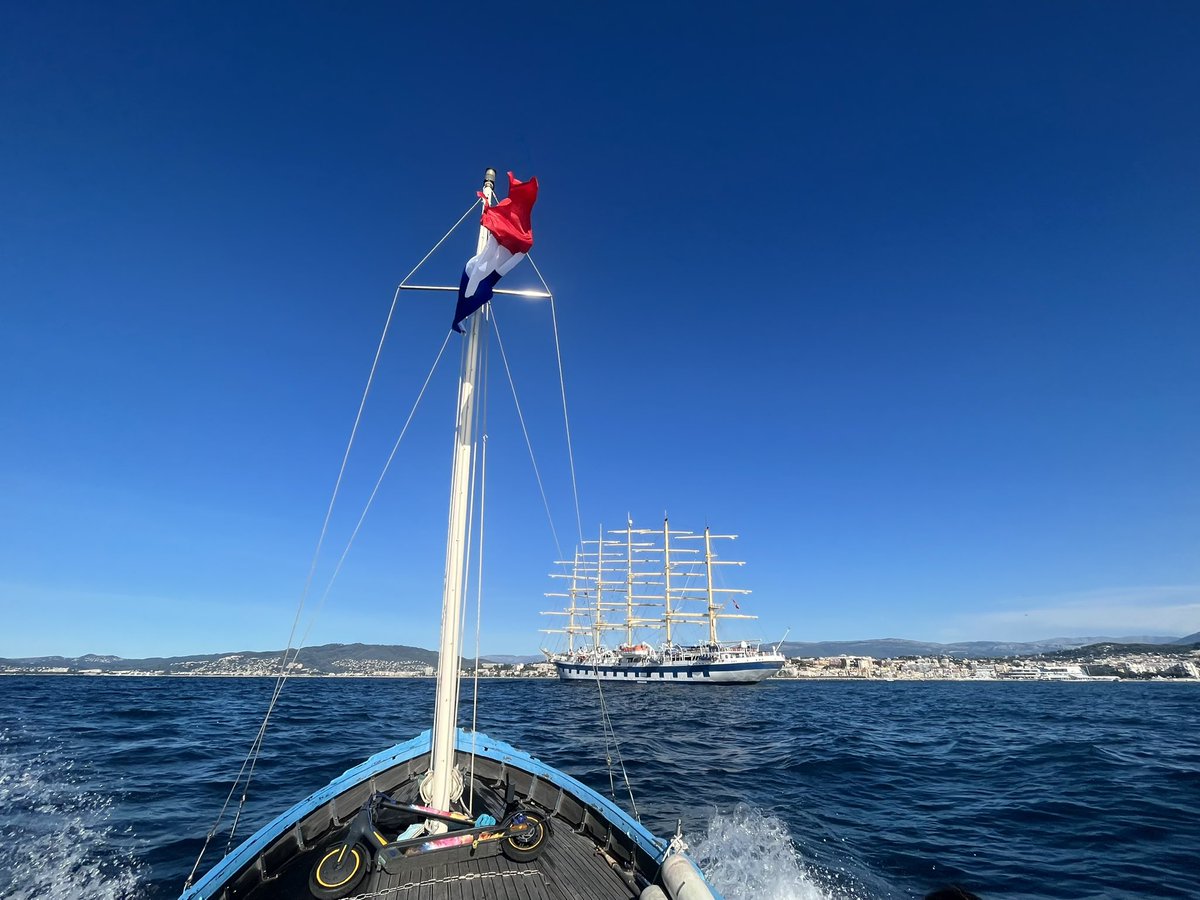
[(637, 580)]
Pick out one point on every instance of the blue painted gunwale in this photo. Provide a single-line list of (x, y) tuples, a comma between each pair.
[(466, 742)]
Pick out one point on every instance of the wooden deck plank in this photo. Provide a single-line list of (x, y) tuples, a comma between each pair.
[(522, 887), (572, 862)]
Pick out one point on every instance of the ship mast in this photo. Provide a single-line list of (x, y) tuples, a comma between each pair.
[(667, 578), (708, 580), (573, 610), (628, 580), (440, 787), (598, 615), (713, 608)]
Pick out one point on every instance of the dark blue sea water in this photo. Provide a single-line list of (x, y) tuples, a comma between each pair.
[(786, 789)]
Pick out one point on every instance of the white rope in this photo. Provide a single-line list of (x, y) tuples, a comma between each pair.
[(563, 391), (525, 431)]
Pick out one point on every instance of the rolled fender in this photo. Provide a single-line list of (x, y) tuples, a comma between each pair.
[(683, 880)]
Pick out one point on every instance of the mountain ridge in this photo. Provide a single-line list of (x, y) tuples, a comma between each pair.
[(886, 648), (320, 659)]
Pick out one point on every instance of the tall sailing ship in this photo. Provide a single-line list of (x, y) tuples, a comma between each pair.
[(639, 579)]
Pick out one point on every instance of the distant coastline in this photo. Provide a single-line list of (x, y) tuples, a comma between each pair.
[(1106, 661), (888, 659), (550, 676)]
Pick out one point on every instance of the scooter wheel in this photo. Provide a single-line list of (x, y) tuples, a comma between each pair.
[(527, 844), (339, 871)]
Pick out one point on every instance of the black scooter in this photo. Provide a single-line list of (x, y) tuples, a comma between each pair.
[(521, 837)]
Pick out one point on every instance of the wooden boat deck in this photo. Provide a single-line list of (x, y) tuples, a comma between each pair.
[(584, 857), (571, 867)]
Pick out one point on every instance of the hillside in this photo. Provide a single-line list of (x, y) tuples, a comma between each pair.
[(327, 659), (889, 648)]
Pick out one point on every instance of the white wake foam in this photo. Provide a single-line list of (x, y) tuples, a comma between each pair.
[(57, 841), (748, 855)]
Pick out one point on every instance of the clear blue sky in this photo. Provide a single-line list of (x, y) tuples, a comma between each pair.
[(904, 294)]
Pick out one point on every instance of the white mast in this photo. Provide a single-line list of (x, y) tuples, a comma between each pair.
[(598, 618), (667, 577), (573, 610), (712, 611), (712, 605), (628, 580), (440, 787)]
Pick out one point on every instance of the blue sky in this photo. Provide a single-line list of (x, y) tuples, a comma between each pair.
[(903, 294)]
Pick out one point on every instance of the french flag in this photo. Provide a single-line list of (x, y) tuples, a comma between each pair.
[(510, 235)]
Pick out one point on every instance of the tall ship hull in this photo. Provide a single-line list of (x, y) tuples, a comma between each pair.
[(716, 672)]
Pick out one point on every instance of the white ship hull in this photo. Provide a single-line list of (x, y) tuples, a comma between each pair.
[(732, 671)]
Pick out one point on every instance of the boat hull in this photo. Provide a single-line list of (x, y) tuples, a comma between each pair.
[(716, 672), (594, 842)]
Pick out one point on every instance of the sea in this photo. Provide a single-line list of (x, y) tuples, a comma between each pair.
[(788, 790)]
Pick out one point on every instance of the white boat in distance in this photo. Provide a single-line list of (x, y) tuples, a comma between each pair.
[(652, 582)]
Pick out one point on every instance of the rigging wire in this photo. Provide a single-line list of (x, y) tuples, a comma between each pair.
[(290, 653), (610, 734), (353, 434), (375, 490), (609, 730), (256, 748), (562, 386), (525, 431)]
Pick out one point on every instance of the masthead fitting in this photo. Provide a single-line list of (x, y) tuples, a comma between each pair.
[(489, 177)]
